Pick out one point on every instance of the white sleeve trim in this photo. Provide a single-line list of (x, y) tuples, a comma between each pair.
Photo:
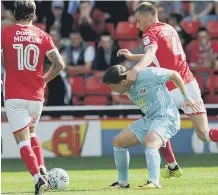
[(48, 52)]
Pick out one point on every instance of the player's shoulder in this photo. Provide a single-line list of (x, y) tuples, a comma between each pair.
[(38, 31), (146, 72)]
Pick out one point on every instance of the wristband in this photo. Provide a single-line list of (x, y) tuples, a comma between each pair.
[(186, 97)]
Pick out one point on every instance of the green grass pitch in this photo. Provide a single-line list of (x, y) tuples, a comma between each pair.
[(89, 175)]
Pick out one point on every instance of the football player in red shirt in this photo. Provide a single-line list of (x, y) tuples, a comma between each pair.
[(163, 49), (24, 47)]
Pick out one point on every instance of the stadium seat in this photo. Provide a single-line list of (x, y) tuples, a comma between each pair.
[(211, 98), (212, 80), (96, 100), (110, 28), (212, 27), (186, 7), (191, 27), (126, 30), (78, 86), (128, 44), (41, 26), (94, 85)]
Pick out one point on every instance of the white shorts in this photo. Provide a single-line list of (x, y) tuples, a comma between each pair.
[(193, 91), (21, 113)]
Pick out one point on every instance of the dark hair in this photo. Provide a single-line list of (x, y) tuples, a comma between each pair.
[(140, 34), (114, 74), (105, 33), (177, 17), (81, 2), (147, 7), (202, 29), (24, 9), (75, 31)]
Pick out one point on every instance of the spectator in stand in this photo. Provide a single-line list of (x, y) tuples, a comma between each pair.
[(57, 17), (205, 53), (56, 37), (106, 54), (174, 20), (162, 13), (74, 5), (89, 21), (80, 55), (172, 7), (201, 11), (7, 17), (115, 11), (138, 50)]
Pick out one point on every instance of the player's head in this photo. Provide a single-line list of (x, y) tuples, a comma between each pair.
[(24, 10), (146, 14), (115, 77)]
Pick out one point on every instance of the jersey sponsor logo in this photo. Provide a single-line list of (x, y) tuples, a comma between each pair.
[(140, 103), (146, 40)]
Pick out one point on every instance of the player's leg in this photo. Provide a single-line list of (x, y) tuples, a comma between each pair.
[(35, 110), (200, 120), (172, 168), (160, 131), (121, 142), (19, 121)]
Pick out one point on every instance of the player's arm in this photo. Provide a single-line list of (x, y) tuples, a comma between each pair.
[(163, 75), (147, 58), (57, 65), (177, 79)]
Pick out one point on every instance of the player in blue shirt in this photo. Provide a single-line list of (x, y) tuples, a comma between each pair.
[(160, 123)]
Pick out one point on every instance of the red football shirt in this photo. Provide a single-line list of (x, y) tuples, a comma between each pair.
[(24, 49), (170, 53)]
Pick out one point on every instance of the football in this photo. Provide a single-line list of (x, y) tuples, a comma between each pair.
[(58, 179)]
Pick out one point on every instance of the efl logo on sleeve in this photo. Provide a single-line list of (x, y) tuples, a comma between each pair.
[(146, 40)]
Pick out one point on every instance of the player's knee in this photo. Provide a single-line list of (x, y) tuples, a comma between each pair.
[(31, 129), (116, 142), (201, 135), (22, 135)]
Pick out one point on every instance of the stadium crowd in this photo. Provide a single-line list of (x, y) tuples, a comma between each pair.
[(88, 34)]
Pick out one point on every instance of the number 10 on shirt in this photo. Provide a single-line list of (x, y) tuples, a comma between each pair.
[(23, 56)]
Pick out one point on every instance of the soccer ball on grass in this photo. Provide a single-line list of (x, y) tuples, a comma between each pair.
[(58, 179)]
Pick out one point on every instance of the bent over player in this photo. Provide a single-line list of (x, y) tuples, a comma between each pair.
[(163, 48), (24, 47), (160, 123)]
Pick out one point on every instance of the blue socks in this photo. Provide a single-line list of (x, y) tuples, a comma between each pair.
[(121, 156), (153, 163)]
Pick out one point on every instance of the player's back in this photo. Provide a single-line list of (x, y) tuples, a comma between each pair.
[(24, 48), (150, 93), (170, 53)]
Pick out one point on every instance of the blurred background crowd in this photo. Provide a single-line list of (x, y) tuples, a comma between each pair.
[(89, 33)]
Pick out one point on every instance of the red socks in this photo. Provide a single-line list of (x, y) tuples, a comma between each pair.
[(167, 153), (37, 148), (213, 135), (28, 157)]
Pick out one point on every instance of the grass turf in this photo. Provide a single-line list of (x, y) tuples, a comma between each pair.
[(89, 175)]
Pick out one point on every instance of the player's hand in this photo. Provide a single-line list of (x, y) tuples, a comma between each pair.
[(131, 77), (194, 105), (125, 52)]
